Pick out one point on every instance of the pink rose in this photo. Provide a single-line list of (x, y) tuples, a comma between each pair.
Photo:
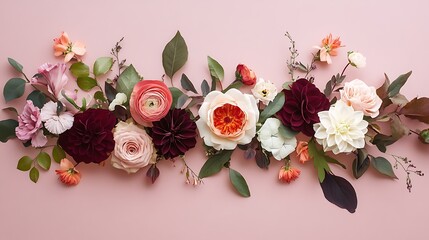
[(361, 97), (133, 148), (150, 101), (53, 77), (246, 75), (30, 124)]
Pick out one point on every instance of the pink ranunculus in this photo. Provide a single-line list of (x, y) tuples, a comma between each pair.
[(150, 101), (63, 46), (133, 148), (53, 77), (361, 97), (30, 124)]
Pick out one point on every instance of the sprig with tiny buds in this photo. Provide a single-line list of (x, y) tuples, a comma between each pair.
[(115, 52), (408, 167), (190, 175), (293, 64)]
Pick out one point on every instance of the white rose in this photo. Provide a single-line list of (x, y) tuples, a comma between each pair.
[(227, 119), (273, 142), (341, 129), (361, 97), (264, 91), (356, 59), (133, 148)]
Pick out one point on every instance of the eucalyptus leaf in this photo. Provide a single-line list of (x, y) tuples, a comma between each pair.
[(239, 183), (216, 70), (383, 166), (79, 69), (215, 163), (396, 85), (18, 67), (44, 160), (286, 132), (24, 163), (127, 80), (176, 93), (181, 101), (361, 163), (86, 83), (187, 84), (340, 192), (102, 65), (7, 129), (175, 55), (14, 88), (38, 98), (273, 107), (34, 174), (205, 88), (58, 153)]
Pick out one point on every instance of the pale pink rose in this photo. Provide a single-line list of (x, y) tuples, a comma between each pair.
[(63, 46), (53, 77), (361, 97), (133, 148), (227, 119), (150, 101), (30, 124)]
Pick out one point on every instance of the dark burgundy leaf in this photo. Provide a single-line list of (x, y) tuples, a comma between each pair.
[(360, 164), (110, 91), (152, 173), (262, 160), (340, 192), (120, 113)]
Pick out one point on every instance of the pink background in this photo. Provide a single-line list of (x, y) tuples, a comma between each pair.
[(109, 204)]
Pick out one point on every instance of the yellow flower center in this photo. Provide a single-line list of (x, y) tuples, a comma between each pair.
[(342, 128), (228, 119)]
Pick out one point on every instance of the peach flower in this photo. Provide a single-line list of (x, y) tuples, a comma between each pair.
[(150, 101), (361, 97), (67, 173), (302, 151), (329, 48), (227, 119), (288, 174), (133, 148), (63, 46)]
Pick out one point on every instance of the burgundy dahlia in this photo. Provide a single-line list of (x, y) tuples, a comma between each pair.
[(174, 134), (303, 101), (90, 139)]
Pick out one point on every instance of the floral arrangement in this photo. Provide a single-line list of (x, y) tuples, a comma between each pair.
[(134, 123)]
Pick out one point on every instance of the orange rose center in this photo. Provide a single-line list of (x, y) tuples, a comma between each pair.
[(228, 119)]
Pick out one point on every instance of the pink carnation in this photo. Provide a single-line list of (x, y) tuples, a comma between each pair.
[(30, 124), (53, 77)]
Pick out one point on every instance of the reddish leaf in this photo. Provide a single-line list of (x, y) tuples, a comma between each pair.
[(418, 109), (153, 173), (340, 192)]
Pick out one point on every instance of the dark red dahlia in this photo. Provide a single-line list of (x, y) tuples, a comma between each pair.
[(90, 139), (303, 101), (174, 134)]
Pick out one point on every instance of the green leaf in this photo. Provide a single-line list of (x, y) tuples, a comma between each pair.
[(175, 55), (99, 95), (383, 166), (102, 65), (14, 88), (181, 101), (205, 88), (18, 67), (44, 160), (215, 163), (396, 85), (286, 132), (319, 160), (239, 183), (361, 163), (24, 163), (127, 80), (334, 161), (12, 109), (38, 98), (79, 69), (273, 107), (216, 70), (34, 174), (187, 84), (110, 91), (176, 93), (58, 154), (235, 84), (86, 83), (7, 129)]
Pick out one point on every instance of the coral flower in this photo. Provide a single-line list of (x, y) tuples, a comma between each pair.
[(329, 48), (67, 173), (302, 151), (63, 46), (288, 174)]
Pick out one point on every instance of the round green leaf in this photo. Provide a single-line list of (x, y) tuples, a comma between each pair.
[(239, 183), (86, 83), (99, 95), (58, 153), (102, 65), (44, 160), (79, 69), (7, 129), (34, 174), (14, 88), (38, 98), (24, 164)]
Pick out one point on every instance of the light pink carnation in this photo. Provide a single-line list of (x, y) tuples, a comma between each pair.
[(361, 97), (30, 124), (53, 77)]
